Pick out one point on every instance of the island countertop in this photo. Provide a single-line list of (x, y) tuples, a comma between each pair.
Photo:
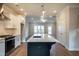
[(43, 38)]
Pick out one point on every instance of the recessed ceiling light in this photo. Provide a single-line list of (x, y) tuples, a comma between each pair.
[(54, 11), (21, 9)]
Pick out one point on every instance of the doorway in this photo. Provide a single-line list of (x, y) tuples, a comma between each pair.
[(22, 26)]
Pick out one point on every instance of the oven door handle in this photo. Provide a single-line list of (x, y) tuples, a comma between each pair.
[(10, 39)]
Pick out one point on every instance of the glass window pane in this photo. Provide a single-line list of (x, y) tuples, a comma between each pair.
[(42, 27), (49, 29), (35, 27), (38, 29)]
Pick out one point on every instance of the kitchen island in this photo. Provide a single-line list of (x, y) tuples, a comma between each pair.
[(40, 45)]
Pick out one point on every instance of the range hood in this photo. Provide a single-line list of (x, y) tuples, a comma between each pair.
[(2, 15)]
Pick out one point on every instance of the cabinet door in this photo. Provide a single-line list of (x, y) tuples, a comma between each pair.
[(2, 47), (38, 49), (11, 23), (17, 41)]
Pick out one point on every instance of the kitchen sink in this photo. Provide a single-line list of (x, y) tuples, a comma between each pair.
[(36, 36)]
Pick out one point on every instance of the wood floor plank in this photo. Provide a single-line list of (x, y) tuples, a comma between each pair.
[(75, 53), (20, 51)]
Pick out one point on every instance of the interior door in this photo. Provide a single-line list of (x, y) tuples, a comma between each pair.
[(22, 26)]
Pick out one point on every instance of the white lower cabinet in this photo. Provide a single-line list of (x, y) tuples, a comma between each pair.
[(17, 41), (2, 47)]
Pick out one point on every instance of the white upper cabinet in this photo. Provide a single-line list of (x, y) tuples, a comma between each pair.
[(8, 12), (11, 23)]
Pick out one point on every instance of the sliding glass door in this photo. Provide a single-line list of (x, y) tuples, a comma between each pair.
[(38, 29)]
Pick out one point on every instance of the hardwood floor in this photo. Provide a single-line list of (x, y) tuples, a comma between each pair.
[(22, 51), (75, 53)]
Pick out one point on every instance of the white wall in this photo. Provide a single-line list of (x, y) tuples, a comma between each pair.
[(63, 26), (68, 20), (74, 26)]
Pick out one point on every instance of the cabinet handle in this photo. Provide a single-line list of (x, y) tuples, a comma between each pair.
[(39, 47)]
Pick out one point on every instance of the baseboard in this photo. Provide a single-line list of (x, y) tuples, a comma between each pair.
[(76, 49)]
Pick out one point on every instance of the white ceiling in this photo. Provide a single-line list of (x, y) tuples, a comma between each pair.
[(38, 19), (35, 8)]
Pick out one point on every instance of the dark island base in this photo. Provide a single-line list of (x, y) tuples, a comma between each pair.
[(39, 48)]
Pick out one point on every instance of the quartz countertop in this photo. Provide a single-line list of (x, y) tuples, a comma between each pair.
[(43, 38), (5, 36), (2, 38)]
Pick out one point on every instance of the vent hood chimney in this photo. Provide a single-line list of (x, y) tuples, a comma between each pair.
[(2, 16)]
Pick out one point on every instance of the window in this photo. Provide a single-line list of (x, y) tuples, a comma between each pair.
[(35, 29), (38, 29), (49, 29)]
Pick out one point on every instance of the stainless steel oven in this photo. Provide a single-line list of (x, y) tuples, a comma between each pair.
[(9, 44)]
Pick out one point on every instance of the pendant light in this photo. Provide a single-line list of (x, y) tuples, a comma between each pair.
[(43, 13)]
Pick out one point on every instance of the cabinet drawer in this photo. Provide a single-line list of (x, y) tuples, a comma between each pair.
[(38, 49), (17, 41)]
